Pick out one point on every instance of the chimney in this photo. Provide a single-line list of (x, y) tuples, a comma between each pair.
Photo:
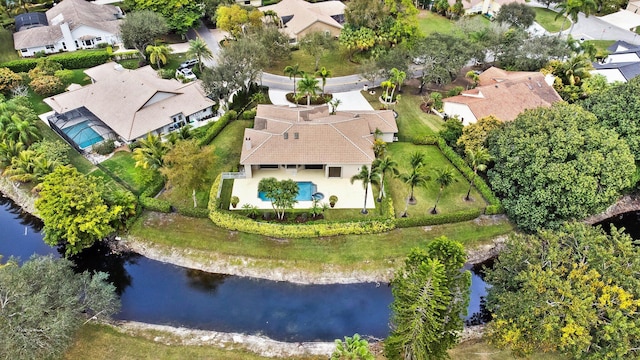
[(247, 143)]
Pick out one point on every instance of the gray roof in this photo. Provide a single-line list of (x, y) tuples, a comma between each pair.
[(628, 69)]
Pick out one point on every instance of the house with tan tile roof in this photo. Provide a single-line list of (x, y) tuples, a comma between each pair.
[(311, 138), (133, 103), (503, 94), (299, 17), (69, 26)]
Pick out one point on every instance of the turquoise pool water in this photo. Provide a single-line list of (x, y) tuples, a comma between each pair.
[(83, 135), (305, 190)]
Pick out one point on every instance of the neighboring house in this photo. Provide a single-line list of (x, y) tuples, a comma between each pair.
[(622, 64), (68, 26), (130, 103), (254, 3), (295, 138), (298, 17), (490, 7), (503, 94)]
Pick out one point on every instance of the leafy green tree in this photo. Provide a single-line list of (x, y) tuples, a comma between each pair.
[(516, 14), (141, 28), (618, 108), (198, 49), (180, 15), (444, 178), (73, 210), (150, 154), (234, 19), (573, 290), (282, 194), (353, 348), (475, 135), (444, 55), (44, 302), (158, 54), (556, 164), (211, 6), (357, 40), (274, 42), (367, 177), (293, 71), (185, 167), (451, 131), (365, 13), (383, 166), (323, 73), (316, 44), (478, 160), (308, 87), (430, 297)]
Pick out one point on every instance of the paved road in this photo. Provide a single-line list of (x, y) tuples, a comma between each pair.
[(212, 43)]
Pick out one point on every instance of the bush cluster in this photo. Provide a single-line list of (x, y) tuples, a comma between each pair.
[(70, 60), (482, 187), (192, 212), (438, 219), (425, 140), (217, 127), (104, 148), (154, 204)]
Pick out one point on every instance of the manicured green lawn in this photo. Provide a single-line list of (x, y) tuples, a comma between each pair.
[(429, 22), (123, 165), (547, 19), (368, 252), (37, 104), (334, 61), (452, 198), (7, 52), (228, 145), (79, 77), (601, 45)]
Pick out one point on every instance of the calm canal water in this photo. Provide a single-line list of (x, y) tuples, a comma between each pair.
[(159, 293)]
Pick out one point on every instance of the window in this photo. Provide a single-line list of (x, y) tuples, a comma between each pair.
[(335, 171), (24, 50), (267, 166), (64, 46), (98, 38), (313, 167), (49, 47)]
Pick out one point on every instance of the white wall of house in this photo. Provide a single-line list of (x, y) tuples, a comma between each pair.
[(101, 37), (612, 75), (69, 45), (387, 137), (48, 49), (618, 58), (347, 170), (200, 114), (463, 112)]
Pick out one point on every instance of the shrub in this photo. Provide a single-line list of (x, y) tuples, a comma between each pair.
[(333, 200), (166, 73), (217, 127), (234, 201), (153, 188), (47, 85), (154, 204), (104, 148), (249, 114), (193, 212), (425, 140), (66, 76), (438, 219), (8, 79)]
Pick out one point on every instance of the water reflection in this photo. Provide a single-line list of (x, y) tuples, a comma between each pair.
[(204, 281)]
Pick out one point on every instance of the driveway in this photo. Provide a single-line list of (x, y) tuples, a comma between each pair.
[(211, 37), (349, 101)]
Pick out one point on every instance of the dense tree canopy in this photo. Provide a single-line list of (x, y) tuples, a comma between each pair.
[(73, 210), (618, 108), (555, 164), (43, 303), (281, 193), (234, 19), (180, 15), (141, 28), (574, 290), (442, 56), (431, 293), (516, 14), (474, 136)]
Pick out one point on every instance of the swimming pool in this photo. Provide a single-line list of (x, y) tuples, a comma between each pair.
[(305, 191), (83, 135)]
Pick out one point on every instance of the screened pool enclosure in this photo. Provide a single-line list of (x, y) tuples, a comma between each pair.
[(80, 128)]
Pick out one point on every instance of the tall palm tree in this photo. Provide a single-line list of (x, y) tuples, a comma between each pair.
[(414, 178), (384, 166), (572, 8), (367, 177), (323, 73), (158, 54), (293, 71), (9, 149), (22, 167), (308, 86), (478, 160), (151, 152), (416, 159), (444, 178), (198, 49), (23, 130), (397, 77), (574, 70)]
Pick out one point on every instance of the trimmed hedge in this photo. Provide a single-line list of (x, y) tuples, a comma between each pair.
[(217, 127), (478, 182), (438, 219), (425, 140), (154, 204), (70, 60), (193, 212)]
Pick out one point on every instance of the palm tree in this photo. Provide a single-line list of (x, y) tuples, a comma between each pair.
[(478, 160), (308, 86), (9, 149), (158, 54), (22, 166), (293, 71), (151, 152), (471, 75), (23, 130), (323, 73), (574, 70), (198, 49), (387, 85), (334, 105), (384, 166), (444, 178), (416, 159), (397, 77), (367, 177), (572, 8), (415, 178)]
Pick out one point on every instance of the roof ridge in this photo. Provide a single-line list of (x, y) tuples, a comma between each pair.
[(350, 141)]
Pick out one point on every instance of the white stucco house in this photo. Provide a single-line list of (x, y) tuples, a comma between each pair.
[(299, 17), (311, 138), (68, 26)]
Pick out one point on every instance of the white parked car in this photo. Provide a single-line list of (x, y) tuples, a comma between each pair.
[(188, 64), (185, 73)]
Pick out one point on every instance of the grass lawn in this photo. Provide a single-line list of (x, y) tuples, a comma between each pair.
[(334, 61), (36, 102), (228, 145), (547, 19), (346, 253), (601, 45), (452, 198), (79, 77), (7, 52), (123, 165), (429, 22)]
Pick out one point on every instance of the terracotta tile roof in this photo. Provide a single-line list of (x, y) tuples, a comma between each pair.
[(130, 102), (305, 14), (343, 138), (74, 12), (506, 94)]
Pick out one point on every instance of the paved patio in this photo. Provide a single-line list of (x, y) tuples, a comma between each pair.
[(350, 196)]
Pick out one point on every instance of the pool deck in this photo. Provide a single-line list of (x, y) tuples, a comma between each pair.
[(350, 196)]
